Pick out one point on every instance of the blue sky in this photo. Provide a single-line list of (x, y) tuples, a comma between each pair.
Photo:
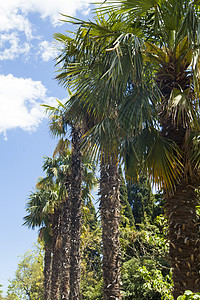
[(26, 80)]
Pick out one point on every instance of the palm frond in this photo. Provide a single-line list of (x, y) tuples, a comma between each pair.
[(163, 163)]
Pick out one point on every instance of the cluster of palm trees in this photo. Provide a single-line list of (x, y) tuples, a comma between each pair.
[(134, 77), (134, 74), (55, 207)]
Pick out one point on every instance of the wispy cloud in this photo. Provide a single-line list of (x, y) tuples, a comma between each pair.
[(20, 102), (47, 51)]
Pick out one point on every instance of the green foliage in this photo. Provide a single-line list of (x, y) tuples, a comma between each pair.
[(146, 271), (141, 199), (91, 274), (143, 281), (149, 241), (188, 295), (126, 211), (1, 297), (91, 251), (28, 280), (91, 288)]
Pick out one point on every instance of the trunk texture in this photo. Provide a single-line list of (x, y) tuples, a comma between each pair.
[(181, 213), (65, 250), (184, 239), (54, 295), (76, 202), (47, 272), (110, 218)]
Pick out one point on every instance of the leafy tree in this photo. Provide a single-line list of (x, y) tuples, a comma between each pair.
[(1, 297), (141, 199), (188, 295), (126, 211), (91, 273), (145, 269), (145, 282), (28, 279)]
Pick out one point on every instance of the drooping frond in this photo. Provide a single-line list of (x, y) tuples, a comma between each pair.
[(163, 160), (58, 124), (101, 138)]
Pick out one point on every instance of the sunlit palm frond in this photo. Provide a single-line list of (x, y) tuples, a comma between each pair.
[(163, 163), (134, 8), (38, 207), (159, 156), (62, 148)]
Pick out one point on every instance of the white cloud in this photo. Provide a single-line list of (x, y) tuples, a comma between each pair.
[(12, 19), (11, 46), (14, 13), (16, 26), (20, 102), (47, 51), (52, 9)]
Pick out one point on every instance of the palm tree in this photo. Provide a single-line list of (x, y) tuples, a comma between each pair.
[(40, 212), (45, 207), (57, 170), (169, 49), (151, 65), (72, 213)]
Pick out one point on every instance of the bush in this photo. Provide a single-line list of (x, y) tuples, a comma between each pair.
[(143, 281), (188, 295)]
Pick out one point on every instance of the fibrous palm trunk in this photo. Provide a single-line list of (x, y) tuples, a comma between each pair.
[(47, 272), (182, 219), (76, 203), (54, 294), (181, 205), (184, 239), (110, 217), (65, 249)]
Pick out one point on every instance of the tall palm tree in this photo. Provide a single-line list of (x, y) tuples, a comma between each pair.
[(57, 170), (75, 54), (169, 58), (72, 212), (73, 181), (40, 214), (46, 207), (149, 60)]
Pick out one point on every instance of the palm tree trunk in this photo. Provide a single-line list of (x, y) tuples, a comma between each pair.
[(54, 295), (110, 217), (184, 239), (65, 249), (47, 272), (182, 219), (76, 202)]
